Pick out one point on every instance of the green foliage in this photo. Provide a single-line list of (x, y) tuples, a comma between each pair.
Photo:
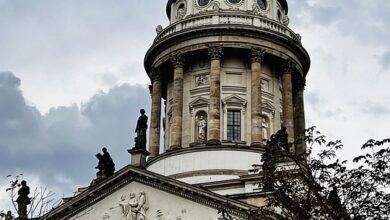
[(327, 188)]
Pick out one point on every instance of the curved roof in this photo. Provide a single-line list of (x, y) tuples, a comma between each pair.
[(168, 9)]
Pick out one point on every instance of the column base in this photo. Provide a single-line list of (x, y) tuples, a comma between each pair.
[(138, 157), (258, 144), (213, 142), (175, 147)]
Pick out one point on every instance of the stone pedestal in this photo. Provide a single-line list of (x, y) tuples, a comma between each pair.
[(154, 140), (214, 123), (177, 107), (138, 157), (288, 109), (256, 57)]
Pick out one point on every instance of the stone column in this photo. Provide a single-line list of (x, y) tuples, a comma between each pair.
[(299, 119), (154, 140), (214, 124), (177, 60), (288, 109), (256, 56)]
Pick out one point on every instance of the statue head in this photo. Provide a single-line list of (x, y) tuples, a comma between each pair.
[(104, 150), (142, 111), (24, 183)]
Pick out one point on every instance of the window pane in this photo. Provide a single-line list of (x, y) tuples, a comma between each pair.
[(234, 125)]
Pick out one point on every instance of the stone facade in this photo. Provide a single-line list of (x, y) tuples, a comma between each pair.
[(230, 74)]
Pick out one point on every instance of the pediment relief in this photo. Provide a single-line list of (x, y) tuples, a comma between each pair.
[(234, 100), (137, 194), (199, 103)]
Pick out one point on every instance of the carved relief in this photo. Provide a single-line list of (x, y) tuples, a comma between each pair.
[(261, 9), (286, 20), (134, 207), (234, 3), (181, 10), (202, 80), (216, 6), (265, 85)]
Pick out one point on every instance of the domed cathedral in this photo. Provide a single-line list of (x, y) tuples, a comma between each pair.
[(231, 73), (226, 75)]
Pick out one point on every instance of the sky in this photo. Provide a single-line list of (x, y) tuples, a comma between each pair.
[(72, 80)]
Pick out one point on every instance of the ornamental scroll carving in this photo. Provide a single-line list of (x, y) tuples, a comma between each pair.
[(155, 75), (288, 66), (215, 52), (257, 54), (177, 60)]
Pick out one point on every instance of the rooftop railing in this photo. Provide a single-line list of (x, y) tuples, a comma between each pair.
[(223, 18)]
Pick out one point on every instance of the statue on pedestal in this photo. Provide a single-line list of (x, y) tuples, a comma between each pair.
[(202, 126), (23, 200), (142, 126), (106, 165), (280, 139)]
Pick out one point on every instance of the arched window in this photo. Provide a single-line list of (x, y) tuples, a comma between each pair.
[(279, 16), (262, 4), (203, 2)]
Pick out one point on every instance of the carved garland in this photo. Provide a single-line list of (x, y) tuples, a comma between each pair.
[(238, 4)]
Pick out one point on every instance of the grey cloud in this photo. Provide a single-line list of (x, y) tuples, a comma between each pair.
[(321, 106), (384, 60), (367, 22), (375, 109), (63, 142)]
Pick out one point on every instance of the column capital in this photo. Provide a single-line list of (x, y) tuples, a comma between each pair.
[(155, 75), (177, 59), (215, 52), (257, 54), (301, 83), (288, 67)]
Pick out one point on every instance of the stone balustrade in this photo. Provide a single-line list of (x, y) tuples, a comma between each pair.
[(222, 18)]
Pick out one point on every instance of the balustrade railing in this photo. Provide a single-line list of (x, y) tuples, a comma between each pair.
[(228, 18)]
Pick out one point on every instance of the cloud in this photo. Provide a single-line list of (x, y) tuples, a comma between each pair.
[(384, 60), (375, 109), (322, 107), (59, 146)]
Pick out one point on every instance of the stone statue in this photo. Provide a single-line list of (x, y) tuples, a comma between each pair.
[(280, 139), (142, 207), (23, 200), (134, 208), (264, 128), (142, 126), (8, 216), (106, 165), (159, 29), (202, 127)]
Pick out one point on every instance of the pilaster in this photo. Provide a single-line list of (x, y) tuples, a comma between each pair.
[(177, 60), (154, 140), (288, 109), (256, 57), (214, 124), (299, 118)]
